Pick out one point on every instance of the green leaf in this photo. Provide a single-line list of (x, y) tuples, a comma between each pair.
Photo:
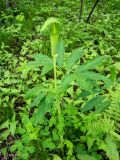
[(93, 76), (12, 128), (38, 99), (56, 157), (84, 83), (4, 151), (90, 142), (60, 52), (33, 65), (19, 145), (46, 69), (48, 144), (86, 157), (43, 107), (112, 73), (65, 83), (117, 66), (31, 149), (43, 59), (5, 134), (92, 103), (13, 125), (67, 79), (13, 148), (4, 125), (102, 106), (111, 151), (69, 145), (91, 64), (75, 56), (34, 91)]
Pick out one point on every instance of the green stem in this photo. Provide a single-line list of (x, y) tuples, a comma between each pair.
[(60, 122), (54, 40), (55, 71)]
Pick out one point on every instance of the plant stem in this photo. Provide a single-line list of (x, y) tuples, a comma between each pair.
[(81, 9), (91, 12), (55, 71), (54, 40), (60, 122)]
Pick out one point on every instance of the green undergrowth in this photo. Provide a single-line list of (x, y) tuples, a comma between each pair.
[(59, 81)]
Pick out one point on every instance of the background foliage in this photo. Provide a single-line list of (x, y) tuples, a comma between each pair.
[(80, 118)]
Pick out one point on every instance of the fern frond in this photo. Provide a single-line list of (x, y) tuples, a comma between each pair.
[(98, 124), (102, 125), (113, 110)]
